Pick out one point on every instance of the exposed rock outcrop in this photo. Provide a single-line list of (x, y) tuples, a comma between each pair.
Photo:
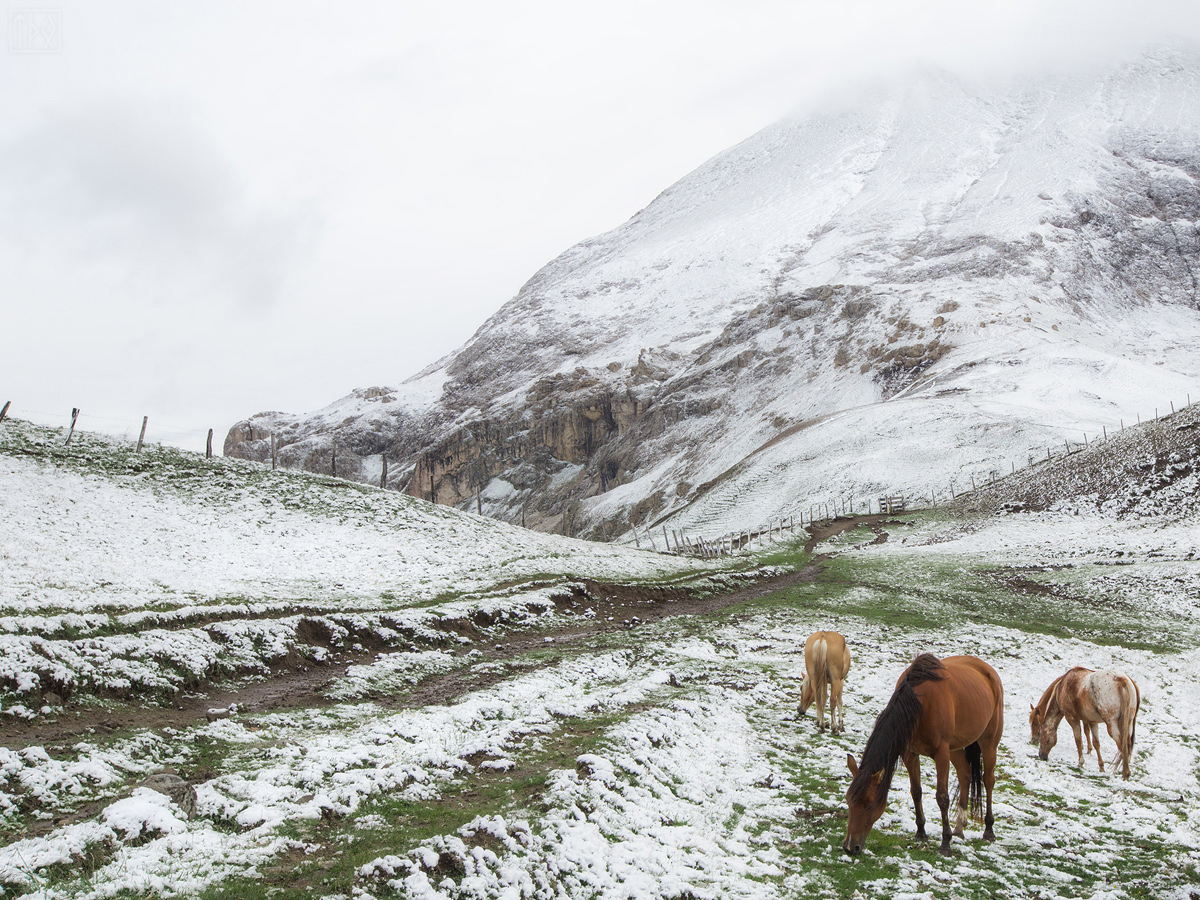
[(937, 277)]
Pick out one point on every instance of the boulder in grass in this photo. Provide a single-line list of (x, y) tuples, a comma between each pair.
[(170, 784), (143, 816)]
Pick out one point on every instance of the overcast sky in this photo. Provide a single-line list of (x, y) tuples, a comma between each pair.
[(212, 209)]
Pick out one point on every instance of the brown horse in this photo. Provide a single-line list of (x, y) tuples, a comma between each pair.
[(826, 662), (1082, 696), (951, 710)]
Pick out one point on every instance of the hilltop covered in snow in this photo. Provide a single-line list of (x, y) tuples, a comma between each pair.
[(931, 282)]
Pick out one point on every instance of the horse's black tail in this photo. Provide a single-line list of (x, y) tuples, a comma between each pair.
[(975, 761)]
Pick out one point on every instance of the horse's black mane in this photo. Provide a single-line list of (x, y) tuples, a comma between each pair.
[(894, 728)]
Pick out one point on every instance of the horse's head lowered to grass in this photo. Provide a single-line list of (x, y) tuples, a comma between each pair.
[(951, 710), (872, 779), (865, 812)]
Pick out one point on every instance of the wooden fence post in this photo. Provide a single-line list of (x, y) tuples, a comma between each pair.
[(4, 412), (207, 445), (74, 417), (383, 476), (637, 540), (141, 437), (274, 451)]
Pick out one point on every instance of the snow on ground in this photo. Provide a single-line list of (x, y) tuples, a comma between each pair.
[(664, 761), (190, 531), (142, 574), (697, 794)]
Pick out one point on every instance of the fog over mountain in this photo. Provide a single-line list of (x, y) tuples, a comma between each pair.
[(934, 281)]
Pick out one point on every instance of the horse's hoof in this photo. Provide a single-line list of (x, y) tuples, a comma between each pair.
[(989, 835), (921, 835), (944, 850), (959, 833)]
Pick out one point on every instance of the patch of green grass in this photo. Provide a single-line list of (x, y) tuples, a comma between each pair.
[(790, 555), (388, 825), (931, 593)]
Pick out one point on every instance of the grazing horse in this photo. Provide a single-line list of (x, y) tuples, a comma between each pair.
[(1037, 716), (951, 710), (826, 662), (1082, 696)]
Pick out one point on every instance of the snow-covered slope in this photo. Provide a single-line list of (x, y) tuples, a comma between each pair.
[(935, 281), (125, 573)]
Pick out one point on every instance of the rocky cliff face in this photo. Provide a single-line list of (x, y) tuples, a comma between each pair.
[(877, 298)]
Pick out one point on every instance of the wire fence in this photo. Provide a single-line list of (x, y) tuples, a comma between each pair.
[(184, 437), (678, 541), (674, 540)]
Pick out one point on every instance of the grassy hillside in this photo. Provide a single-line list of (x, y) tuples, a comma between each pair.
[(144, 574), (494, 728)]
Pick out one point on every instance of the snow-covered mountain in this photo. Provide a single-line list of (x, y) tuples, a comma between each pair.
[(934, 282)]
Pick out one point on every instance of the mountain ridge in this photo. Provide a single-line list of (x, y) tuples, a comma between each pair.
[(937, 256)]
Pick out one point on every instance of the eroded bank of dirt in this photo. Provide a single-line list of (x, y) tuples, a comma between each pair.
[(594, 609)]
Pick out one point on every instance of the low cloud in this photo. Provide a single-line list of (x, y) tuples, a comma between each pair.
[(138, 187)]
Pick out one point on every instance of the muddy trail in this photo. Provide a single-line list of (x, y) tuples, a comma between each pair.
[(594, 609)]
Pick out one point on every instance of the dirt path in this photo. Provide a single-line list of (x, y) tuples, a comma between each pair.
[(598, 609)]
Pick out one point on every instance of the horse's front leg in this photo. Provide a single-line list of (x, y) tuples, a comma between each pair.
[(941, 759), (912, 762)]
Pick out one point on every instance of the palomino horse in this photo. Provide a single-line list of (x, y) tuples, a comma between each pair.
[(826, 662), (1087, 697), (951, 710)]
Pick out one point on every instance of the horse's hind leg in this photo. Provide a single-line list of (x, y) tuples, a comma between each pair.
[(821, 689), (836, 721), (963, 769), (1115, 734), (989, 781)]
